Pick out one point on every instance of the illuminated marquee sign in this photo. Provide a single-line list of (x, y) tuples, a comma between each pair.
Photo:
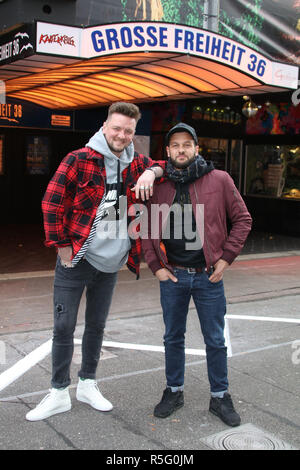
[(162, 37), (103, 40), (169, 38), (58, 39), (11, 112), (17, 44), (98, 41), (60, 120), (17, 113)]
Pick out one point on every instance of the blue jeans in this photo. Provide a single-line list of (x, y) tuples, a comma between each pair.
[(210, 304), (69, 284)]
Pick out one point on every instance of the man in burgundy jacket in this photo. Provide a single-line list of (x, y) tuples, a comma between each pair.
[(187, 246)]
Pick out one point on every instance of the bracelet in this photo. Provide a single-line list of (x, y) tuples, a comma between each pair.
[(152, 169)]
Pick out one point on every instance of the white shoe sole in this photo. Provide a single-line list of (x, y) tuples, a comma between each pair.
[(85, 400), (47, 415)]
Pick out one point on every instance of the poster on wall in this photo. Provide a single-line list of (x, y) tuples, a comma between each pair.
[(275, 119), (37, 155)]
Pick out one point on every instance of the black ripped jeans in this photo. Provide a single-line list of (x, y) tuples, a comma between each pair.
[(69, 284)]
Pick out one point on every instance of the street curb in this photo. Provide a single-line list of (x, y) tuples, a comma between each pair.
[(34, 274)]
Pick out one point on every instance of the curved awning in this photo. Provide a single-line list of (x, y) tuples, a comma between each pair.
[(160, 73)]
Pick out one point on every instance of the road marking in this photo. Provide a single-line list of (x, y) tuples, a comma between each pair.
[(148, 347), (21, 367), (258, 318), (227, 338), (141, 372)]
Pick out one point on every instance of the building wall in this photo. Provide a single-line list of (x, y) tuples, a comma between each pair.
[(24, 178), (21, 190), (13, 12), (220, 127)]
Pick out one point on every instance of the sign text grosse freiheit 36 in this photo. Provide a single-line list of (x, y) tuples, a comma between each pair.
[(120, 38)]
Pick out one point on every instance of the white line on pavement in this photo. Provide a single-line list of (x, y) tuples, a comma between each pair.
[(17, 370), (21, 367), (227, 338), (258, 318), (147, 347), (143, 371)]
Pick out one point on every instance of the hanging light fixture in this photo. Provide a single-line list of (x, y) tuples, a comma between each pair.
[(249, 108)]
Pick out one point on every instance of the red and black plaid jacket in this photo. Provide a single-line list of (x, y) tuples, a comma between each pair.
[(74, 194)]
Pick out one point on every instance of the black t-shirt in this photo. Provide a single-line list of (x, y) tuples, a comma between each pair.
[(180, 237)]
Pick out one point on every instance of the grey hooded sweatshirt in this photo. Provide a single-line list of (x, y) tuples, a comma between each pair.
[(108, 251)]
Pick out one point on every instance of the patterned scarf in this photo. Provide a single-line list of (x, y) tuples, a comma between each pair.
[(199, 167)]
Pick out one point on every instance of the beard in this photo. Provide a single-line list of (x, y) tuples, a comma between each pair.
[(183, 165), (116, 146)]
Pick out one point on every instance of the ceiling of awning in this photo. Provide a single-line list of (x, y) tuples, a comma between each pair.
[(63, 83)]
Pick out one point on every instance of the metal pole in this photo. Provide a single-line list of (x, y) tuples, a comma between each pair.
[(211, 15)]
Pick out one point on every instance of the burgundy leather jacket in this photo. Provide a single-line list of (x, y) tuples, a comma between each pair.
[(214, 197)]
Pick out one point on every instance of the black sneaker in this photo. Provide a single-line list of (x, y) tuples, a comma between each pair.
[(224, 409), (170, 402)]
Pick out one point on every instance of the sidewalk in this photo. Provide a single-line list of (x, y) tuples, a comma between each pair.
[(26, 298), (22, 248), (263, 320)]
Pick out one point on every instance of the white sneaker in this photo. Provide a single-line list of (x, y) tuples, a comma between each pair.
[(57, 401), (88, 392)]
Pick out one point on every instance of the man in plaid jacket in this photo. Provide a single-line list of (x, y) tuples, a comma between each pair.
[(85, 211)]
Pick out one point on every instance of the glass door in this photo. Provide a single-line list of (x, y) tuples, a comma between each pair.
[(215, 150)]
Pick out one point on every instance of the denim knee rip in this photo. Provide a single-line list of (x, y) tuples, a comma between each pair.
[(59, 309)]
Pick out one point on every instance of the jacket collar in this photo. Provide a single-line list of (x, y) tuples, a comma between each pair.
[(98, 157)]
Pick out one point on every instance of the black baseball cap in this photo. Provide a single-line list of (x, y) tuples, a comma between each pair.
[(182, 127)]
